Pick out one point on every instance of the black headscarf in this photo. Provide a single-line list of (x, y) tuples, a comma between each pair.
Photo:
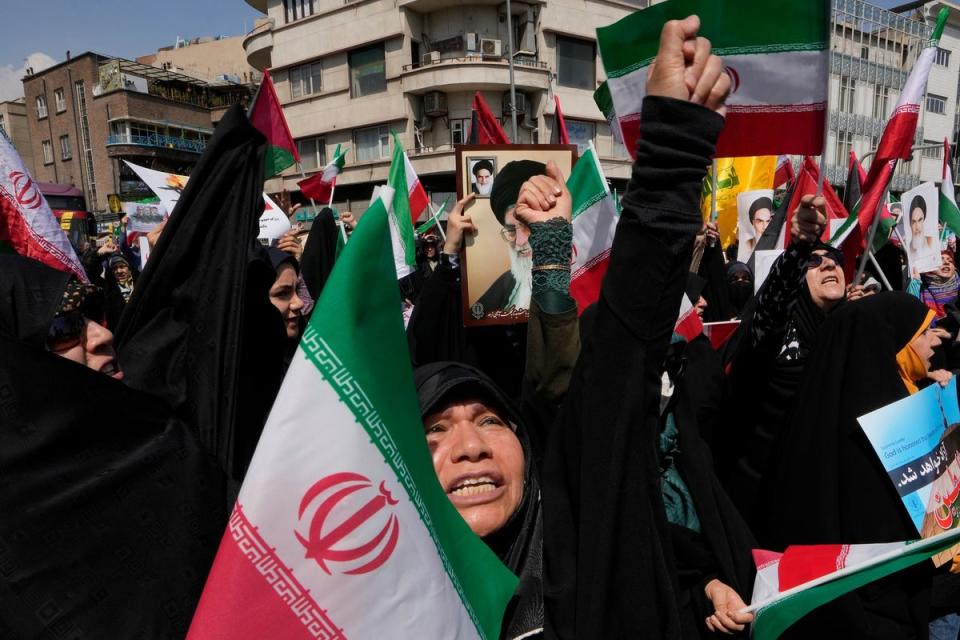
[(828, 484), (320, 252), (739, 291), (519, 543), (110, 512), (506, 186)]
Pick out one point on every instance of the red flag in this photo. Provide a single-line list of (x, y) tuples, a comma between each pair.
[(486, 129), (560, 124), (806, 184), (784, 171), (267, 116)]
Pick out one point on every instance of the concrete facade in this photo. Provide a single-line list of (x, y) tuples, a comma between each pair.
[(432, 64), (87, 114), (13, 121), (206, 58)]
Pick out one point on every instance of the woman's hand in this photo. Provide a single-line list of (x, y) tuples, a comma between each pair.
[(727, 604), (940, 376), (458, 225)]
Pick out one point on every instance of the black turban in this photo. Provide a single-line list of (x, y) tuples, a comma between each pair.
[(506, 186), (482, 164), (760, 203)]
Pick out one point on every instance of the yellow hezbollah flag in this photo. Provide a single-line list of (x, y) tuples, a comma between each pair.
[(735, 175)]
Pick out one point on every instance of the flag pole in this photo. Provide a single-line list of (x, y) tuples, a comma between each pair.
[(873, 232), (343, 227), (713, 191), (880, 273)]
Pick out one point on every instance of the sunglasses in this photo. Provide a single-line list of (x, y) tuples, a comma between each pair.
[(816, 259), (66, 331)]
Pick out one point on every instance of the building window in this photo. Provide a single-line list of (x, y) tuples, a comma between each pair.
[(372, 143), (933, 151), (47, 152), (844, 146), (65, 148), (460, 131), (936, 104), (312, 153), (576, 63), (881, 97), (59, 101), (368, 71), (581, 133), (942, 57), (297, 9), (848, 89), (41, 107), (305, 80)]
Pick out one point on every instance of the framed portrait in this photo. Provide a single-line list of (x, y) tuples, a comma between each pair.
[(495, 262), (921, 214), (754, 213)]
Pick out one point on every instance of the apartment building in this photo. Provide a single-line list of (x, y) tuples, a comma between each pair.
[(89, 113), (350, 72), (13, 123)]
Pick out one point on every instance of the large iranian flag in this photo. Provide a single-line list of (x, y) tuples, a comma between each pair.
[(776, 54), (790, 585), (949, 213), (27, 225), (341, 530), (595, 219)]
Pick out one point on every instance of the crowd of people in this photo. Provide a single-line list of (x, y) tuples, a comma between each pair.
[(623, 472)]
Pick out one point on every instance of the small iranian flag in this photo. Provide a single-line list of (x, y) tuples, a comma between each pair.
[(949, 213), (320, 186), (27, 225), (409, 201), (605, 103), (688, 325), (897, 139), (790, 585), (775, 53), (594, 225), (341, 529), (267, 116)]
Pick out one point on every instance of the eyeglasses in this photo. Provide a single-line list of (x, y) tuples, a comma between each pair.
[(509, 232), (65, 331), (816, 259)]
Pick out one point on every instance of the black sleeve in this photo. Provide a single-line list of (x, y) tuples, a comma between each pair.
[(713, 270), (606, 535), (435, 332)]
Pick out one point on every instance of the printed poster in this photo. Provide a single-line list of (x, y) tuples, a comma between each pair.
[(918, 442)]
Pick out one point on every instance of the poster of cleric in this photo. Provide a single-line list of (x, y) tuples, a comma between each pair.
[(918, 442), (497, 260)]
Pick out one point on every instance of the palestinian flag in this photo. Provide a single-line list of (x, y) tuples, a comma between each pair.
[(688, 325), (790, 585), (806, 183), (27, 225), (320, 186), (341, 529), (484, 126), (594, 225), (897, 139), (267, 116), (949, 213), (776, 54)]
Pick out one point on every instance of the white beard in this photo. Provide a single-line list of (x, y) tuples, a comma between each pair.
[(484, 189), (520, 267)]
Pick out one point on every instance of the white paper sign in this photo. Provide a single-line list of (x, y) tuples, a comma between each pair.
[(921, 213), (754, 213)]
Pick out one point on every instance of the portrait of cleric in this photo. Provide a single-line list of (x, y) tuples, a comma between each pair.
[(511, 290), (482, 171)]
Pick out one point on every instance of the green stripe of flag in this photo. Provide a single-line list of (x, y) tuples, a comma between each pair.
[(773, 620), (366, 361), (733, 26), (275, 160), (586, 184), (401, 202)]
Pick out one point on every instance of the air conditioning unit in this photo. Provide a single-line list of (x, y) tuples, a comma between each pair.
[(522, 105), (430, 58), (472, 43), (435, 104), (491, 48)]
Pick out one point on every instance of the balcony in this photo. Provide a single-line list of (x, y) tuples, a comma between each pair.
[(258, 45), (259, 5), (158, 141), (474, 73)]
